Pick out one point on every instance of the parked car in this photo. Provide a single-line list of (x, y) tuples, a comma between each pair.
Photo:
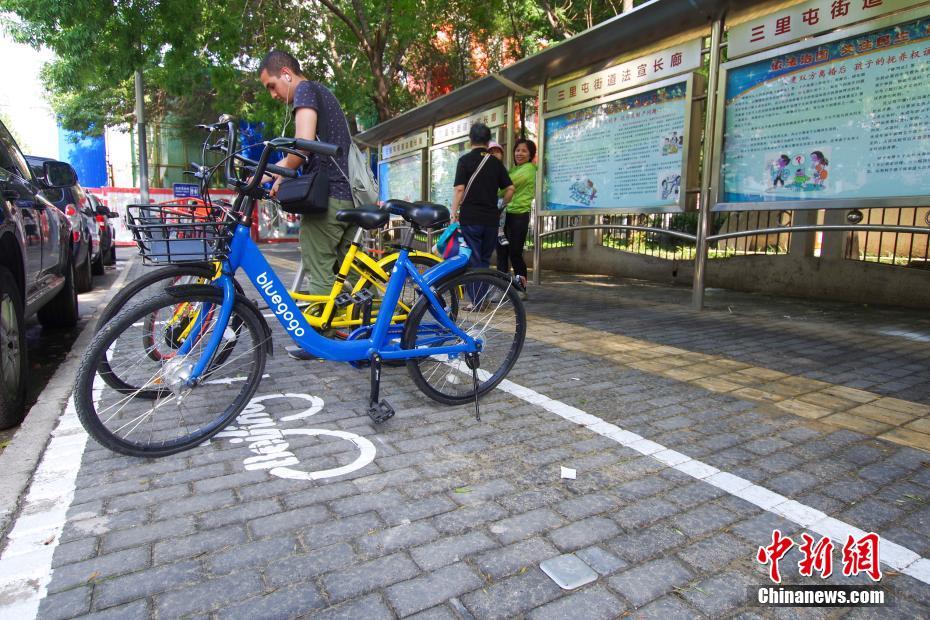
[(36, 268), (103, 215), (72, 201)]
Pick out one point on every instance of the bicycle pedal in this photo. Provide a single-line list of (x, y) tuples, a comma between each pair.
[(342, 300), (380, 412), (363, 296)]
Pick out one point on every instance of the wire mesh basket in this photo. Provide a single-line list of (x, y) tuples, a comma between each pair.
[(170, 233)]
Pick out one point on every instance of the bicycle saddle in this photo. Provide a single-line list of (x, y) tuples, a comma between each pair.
[(421, 214), (364, 217)]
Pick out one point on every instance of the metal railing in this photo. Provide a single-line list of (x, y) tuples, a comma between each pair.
[(904, 249)]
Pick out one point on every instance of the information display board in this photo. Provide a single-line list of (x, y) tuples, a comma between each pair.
[(401, 178), (819, 126), (628, 153), (443, 160)]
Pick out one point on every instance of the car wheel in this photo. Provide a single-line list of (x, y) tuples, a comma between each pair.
[(111, 255), (12, 352), (62, 310), (97, 266), (84, 280)]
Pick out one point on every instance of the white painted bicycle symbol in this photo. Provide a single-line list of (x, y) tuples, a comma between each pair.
[(270, 446)]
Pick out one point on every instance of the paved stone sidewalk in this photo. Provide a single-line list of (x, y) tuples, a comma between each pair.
[(453, 516)]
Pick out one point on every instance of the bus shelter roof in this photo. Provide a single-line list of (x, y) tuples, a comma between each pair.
[(639, 28)]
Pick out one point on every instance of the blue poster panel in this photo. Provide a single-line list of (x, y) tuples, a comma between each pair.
[(443, 162), (843, 120), (402, 178), (624, 154)]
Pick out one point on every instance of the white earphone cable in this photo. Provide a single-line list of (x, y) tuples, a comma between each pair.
[(287, 117)]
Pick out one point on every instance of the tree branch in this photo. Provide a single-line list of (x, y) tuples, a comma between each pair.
[(362, 39)]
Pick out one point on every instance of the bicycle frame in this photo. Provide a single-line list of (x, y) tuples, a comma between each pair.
[(246, 255), (369, 270)]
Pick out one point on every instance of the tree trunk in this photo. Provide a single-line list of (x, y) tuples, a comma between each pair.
[(382, 95)]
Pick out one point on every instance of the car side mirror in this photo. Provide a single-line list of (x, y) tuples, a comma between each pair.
[(112, 214), (58, 174), (102, 210)]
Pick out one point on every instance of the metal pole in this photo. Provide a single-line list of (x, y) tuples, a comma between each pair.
[(540, 131), (143, 148), (705, 215), (508, 137)]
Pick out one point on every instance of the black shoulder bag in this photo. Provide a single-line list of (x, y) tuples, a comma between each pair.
[(308, 194)]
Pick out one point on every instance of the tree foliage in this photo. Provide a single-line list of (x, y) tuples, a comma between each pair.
[(198, 58)]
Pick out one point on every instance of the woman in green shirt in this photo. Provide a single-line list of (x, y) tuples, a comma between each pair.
[(517, 223)]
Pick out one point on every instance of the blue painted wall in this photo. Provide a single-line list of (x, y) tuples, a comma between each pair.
[(88, 156)]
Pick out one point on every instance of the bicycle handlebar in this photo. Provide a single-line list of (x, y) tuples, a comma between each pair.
[(288, 145), (320, 148), (269, 168)]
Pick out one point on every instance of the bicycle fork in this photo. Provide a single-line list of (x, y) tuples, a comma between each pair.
[(219, 332)]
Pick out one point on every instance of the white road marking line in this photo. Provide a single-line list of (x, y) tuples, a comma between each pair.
[(25, 570), (892, 554)]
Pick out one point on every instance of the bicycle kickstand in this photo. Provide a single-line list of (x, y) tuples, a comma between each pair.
[(378, 411), (472, 361)]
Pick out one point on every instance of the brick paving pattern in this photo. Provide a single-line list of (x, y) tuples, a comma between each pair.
[(453, 517)]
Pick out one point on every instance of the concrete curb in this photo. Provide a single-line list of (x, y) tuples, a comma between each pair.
[(20, 459)]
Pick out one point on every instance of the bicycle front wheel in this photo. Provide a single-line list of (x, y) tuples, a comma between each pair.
[(490, 311), (165, 415), (160, 333)]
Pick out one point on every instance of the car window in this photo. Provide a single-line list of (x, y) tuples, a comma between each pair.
[(11, 159)]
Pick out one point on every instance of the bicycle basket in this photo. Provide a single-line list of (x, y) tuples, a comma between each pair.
[(169, 233)]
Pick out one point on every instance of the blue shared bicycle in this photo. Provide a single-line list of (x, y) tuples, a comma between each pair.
[(191, 357)]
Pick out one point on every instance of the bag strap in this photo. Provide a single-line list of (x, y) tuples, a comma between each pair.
[(477, 170), (351, 145)]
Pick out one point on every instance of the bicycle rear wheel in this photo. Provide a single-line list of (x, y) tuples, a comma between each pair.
[(409, 294), (164, 415), (491, 311)]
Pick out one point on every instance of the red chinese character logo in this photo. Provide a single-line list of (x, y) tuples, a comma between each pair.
[(783, 25), (807, 59), (840, 8), (775, 552), (811, 17), (823, 54), (584, 87), (627, 75), (861, 556), (778, 64), (792, 61), (902, 37), (758, 33), (572, 91), (847, 49), (641, 70), (871, 4), (817, 557), (677, 59), (883, 40), (612, 79), (658, 65), (561, 94), (865, 45), (598, 83)]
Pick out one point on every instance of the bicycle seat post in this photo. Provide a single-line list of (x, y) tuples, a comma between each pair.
[(406, 240)]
